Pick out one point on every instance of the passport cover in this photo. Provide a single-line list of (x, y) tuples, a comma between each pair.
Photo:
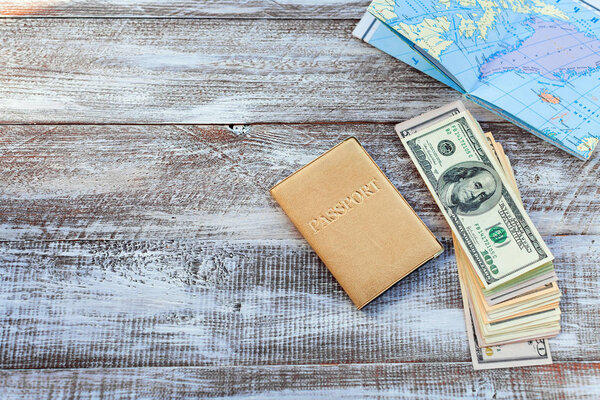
[(356, 221)]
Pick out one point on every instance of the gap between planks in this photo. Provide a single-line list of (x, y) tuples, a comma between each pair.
[(277, 366)]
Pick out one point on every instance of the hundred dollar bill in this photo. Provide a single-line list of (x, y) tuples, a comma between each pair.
[(533, 352), (476, 199)]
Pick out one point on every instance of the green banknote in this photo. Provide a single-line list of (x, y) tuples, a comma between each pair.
[(478, 202)]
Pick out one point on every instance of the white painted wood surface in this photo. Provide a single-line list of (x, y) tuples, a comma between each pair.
[(204, 72), (91, 304), (300, 9), (434, 381), (142, 257)]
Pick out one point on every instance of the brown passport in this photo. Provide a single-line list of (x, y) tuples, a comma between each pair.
[(356, 221)]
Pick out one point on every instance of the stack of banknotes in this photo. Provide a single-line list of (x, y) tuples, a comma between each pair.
[(506, 271)]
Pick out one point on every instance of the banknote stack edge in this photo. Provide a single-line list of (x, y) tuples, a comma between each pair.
[(506, 272)]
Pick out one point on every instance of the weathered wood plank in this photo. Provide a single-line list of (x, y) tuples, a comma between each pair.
[(186, 303), (204, 71), (211, 182), (306, 9), (572, 380)]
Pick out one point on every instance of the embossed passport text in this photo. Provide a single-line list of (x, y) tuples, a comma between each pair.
[(356, 221)]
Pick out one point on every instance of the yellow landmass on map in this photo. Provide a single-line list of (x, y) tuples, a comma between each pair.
[(427, 34), (491, 9), (385, 9), (539, 7), (588, 144), (549, 10), (467, 26)]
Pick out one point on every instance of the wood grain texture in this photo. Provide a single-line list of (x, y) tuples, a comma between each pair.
[(433, 381), (301, 9), (147, 259), (96, 304), (211, 182), (204, 71)]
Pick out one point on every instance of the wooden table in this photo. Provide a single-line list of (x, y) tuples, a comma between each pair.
[(141, 255)]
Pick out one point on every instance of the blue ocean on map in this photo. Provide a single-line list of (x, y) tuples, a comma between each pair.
[(535, 62)]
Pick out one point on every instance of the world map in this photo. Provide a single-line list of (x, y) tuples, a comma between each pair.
[(537, 63)]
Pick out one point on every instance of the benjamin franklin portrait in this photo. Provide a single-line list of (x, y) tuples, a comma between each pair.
[(470, 188)]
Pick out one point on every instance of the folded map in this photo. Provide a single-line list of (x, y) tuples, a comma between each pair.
[(534, 62)]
